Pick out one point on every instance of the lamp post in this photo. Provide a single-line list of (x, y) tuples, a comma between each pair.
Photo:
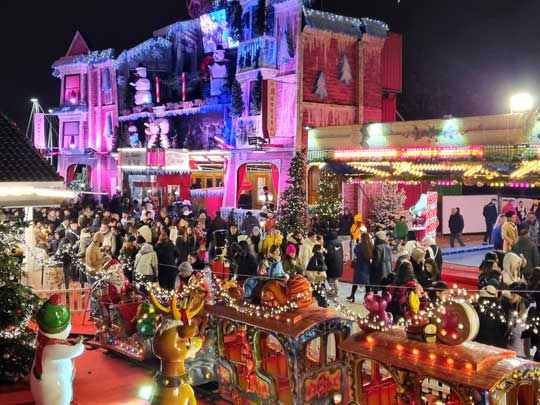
[(521, 102)]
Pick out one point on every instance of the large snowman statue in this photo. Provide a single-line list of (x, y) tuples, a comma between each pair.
[(159, 127), (142, 87), (218, 72), (52, 373)]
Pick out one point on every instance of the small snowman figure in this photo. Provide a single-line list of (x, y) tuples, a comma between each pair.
[(218, 72), (133, 136), (142, 87), (52, 373)]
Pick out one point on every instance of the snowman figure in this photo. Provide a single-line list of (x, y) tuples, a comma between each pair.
[(218, 72), (52, 372), (142, 87), (133, 136)]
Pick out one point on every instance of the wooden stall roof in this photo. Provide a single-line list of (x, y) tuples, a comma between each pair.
[(290, 324), (472, 364)]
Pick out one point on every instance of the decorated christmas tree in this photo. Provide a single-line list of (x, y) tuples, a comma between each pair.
[(256, 95), (259, 25), (320, 89), (147, 318), (237, 99), (386, 207), (345, 74), (329, 207), (19, 305), (235, 20), (293, 209), (158, 142)]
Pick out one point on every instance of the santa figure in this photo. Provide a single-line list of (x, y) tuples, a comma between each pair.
[(218, 69), (52, 372)]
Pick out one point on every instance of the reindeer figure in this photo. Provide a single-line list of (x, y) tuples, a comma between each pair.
[(178, 338)]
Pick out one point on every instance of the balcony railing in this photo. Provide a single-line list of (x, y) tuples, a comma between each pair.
[(257, 53)]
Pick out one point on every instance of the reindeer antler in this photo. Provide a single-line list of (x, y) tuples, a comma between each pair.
[(159, 306), (190, 307)]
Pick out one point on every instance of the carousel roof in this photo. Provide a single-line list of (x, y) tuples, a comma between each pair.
[(290, 324), (19, 160), (471, 364)]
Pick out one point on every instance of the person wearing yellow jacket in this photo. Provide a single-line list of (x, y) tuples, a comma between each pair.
[(357, 227), (275, 238)]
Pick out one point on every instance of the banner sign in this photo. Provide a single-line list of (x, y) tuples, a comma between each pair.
[(269, 108), (176, 160), (39, 131), (133, 159)]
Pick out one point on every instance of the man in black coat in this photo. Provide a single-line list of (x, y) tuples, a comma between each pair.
[(456, 225), (490, 215), (334, 261)]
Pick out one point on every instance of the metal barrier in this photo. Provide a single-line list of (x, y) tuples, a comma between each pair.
[(76, 299)]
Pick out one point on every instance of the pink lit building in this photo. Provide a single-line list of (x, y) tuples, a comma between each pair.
[(216, 106)]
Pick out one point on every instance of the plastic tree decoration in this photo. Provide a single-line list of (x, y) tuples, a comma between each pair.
[(292, 204), (320, 89), (256, 96), (51, 378), (237, 99), (235, 20), (18, 306), (345, 73), (259, 25), (329, 206), (386, 206)]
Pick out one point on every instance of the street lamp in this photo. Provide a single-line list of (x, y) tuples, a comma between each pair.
[(521, 102)]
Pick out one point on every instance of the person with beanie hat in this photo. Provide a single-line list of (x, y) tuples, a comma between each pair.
[(254, 241), (493, 326), (521, 306), (51, 378), (289, 261)]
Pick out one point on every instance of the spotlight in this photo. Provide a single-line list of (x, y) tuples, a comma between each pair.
[(34, 100)]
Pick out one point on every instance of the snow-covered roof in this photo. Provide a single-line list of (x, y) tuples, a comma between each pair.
[(340, 24)]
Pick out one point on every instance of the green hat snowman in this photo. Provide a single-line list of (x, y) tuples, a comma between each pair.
[(53, 317)]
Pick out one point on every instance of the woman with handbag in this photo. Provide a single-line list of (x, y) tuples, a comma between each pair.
[(316, 274)]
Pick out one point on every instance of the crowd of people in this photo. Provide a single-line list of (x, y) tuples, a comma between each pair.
[(169, 246)]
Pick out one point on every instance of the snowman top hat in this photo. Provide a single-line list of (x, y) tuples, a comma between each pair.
[(53, 316)]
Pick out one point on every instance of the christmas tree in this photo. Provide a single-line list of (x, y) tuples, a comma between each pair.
[(256, 95), (158, 142), (235, 20), (320, 89), (329, 207), (147, 318), (293, 208), (386, 207), (290, 42), (19, 305), (259, 25), (237, 99), (345, 74)]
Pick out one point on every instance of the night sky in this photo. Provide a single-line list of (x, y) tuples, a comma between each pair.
[(460, 57)]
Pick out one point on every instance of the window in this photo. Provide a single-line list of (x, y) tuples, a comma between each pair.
[(106, 87), (70, 134), (72, 89), (333, 353)]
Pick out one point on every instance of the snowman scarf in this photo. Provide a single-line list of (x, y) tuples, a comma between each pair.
[(42, 342)]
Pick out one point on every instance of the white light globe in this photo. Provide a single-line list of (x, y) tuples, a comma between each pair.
[(521, 102)]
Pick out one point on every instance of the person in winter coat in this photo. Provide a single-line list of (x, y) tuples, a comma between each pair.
[(249, 223), (492, 330), (167, 253), (334, 261), (273, 239), (94, 258), (456, 225), (526, 248), (512, 265), (145, 232), (243, 260), (357, 228), (434, 252), (381, 266), (490, 216), (65, 253), (509, 231), (496, 235), (401, 230), (289, 263), (316, 274), (146, 261), (345, 222), (185, 243), (363, 253), (404, 282), (295, 238), (306, 249), (418, 257), (533, 226), (270, 268), (254, 242)]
